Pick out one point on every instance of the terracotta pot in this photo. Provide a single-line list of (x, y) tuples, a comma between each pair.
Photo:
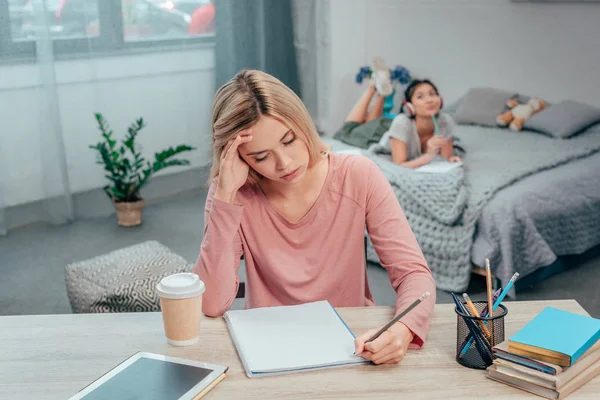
[(129, 213)]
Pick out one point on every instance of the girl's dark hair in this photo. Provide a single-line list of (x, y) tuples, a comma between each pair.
[(412, 87)]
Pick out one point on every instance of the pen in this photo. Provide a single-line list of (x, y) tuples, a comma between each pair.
[(480, 341), (402, 314), (497, 293), (475, 313), (436, 128)]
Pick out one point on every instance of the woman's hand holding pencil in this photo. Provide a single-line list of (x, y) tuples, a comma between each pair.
[(389, 348), (389, 344)]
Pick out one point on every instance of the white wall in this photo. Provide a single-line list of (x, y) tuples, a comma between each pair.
[(171, 90), (547, 50)]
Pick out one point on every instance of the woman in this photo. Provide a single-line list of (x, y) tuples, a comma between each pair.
[(413, 138), (297, 214)]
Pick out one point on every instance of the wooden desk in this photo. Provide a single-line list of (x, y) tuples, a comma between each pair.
[(54, 356)]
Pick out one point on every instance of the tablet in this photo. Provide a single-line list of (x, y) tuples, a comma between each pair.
[(152, 376)]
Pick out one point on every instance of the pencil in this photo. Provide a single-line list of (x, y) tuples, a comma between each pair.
[(467, 343), (476, 314), (397, 318), (481, 343), (210, 386), (488, 281), (506, 289)]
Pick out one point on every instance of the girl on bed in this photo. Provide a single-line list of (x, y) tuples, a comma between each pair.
[(420, 133), (297, 214)]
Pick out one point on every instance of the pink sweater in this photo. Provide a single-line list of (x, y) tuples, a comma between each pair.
[(320, 257)]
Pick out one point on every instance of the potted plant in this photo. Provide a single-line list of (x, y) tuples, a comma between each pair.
[(128, 171)]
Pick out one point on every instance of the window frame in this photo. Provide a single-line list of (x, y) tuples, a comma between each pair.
[(109, 40)]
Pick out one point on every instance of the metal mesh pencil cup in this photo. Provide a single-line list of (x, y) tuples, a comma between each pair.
[(477, 352)]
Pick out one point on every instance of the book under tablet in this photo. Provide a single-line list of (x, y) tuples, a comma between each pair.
[(288, 339), (147, 376)]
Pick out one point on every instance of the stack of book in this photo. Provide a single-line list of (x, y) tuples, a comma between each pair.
[(552, 356)]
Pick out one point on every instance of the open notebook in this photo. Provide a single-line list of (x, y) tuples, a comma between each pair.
[(438, 167), (287, 339)]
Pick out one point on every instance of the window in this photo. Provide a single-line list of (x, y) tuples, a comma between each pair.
[(84, 25), (163, 19), (64, 19)]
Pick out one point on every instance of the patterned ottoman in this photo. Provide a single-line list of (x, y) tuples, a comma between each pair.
[(123, 280)]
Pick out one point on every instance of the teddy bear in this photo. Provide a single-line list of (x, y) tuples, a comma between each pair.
[(518, 113)]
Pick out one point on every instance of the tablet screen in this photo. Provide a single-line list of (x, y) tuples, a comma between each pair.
[(147, 378)]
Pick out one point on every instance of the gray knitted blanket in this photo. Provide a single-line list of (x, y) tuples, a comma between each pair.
[(443, 209)]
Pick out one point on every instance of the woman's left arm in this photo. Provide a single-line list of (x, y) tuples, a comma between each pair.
[(400, 254)]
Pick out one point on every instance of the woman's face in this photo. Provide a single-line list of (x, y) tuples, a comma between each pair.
[(426, 101), (275, 152)]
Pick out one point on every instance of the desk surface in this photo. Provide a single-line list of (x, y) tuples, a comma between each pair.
[(54, 356)]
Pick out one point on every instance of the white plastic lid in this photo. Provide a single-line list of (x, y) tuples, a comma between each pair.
[(180, 286)]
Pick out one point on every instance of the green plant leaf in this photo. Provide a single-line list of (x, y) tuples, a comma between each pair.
[(170, 152), (157, 166), (108, 192), (129, 173), (117, 193)]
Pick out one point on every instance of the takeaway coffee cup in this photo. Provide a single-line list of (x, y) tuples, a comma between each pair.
[(181, 305)]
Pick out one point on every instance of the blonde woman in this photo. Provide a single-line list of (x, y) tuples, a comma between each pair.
[(297, 214)]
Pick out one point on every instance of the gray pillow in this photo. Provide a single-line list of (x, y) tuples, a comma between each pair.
[(452, 107), (592, 130), (481, 106), (564, 119)]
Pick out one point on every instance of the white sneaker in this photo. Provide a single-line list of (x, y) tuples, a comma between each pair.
[(381, 77)]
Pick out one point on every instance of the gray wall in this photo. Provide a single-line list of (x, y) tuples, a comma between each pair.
[(548, 50)]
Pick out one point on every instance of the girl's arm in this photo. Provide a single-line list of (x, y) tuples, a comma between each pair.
[(447, 127), (400, 132), (399, 151), (220, 253), (447, 149)]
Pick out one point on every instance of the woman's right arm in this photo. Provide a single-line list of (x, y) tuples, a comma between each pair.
[(399, 155), (220, 253), (221, 247)]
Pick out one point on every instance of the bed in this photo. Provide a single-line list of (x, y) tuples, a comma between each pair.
[(521, 199)]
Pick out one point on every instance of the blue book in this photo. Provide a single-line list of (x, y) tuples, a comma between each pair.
[(556, 336)]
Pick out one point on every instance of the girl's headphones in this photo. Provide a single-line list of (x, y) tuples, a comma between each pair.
[(409, 109), (407, 106)]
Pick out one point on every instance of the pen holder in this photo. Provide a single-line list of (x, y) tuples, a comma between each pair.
[(477, 352)]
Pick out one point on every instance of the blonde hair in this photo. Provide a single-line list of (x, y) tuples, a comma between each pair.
[(249, 95)]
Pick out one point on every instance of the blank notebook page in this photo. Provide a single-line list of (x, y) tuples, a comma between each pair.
[(280, 339), (438, 167)]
